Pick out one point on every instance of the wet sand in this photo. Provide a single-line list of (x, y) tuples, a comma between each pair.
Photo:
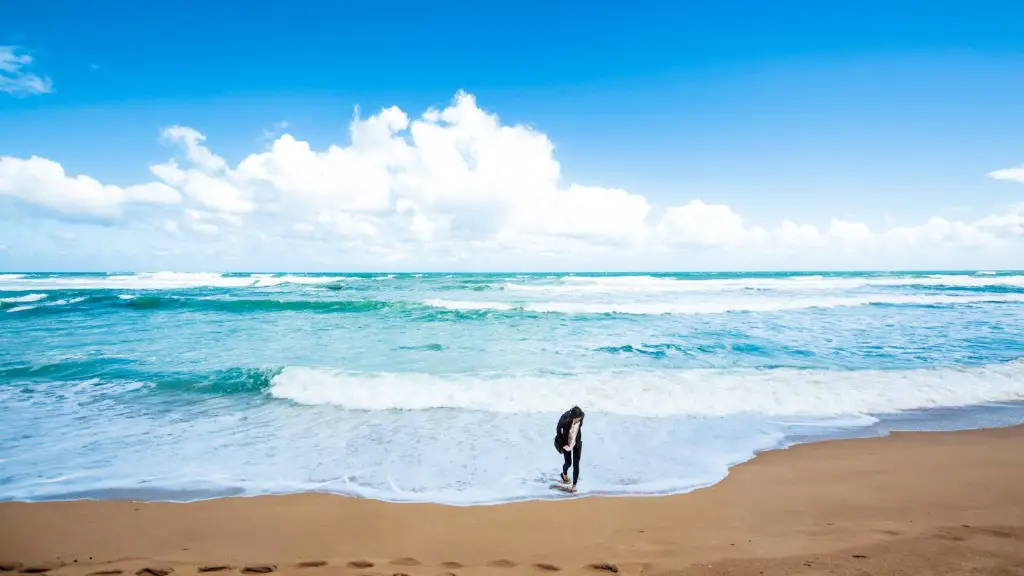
[(913, 503)]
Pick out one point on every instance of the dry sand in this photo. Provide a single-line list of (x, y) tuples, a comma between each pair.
[(922, 503)]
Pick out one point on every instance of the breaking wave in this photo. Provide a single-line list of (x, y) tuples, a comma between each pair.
[(779, 392), (661, 284), (723, 305)]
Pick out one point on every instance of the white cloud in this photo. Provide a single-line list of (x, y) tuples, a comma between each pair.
[(1016, 174), (15, 77), (277, 130), (338, 178), (791, 235), (211, 192), (1009, 224), (938, 232), (452, 173), (706, 225), (190, 140), (43, 183), (457, 185), (592, 212), (851, 235), (208, 180), (718, 226)]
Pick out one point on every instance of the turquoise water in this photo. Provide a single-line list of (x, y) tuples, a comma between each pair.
[(446, 388)]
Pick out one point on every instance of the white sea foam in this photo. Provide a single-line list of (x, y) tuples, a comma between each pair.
[(66, 301), (158, 281), (719, 305), (658, 284), (269, 280), (782, 392), (665, 427), (468, 305), (140, 281), (564, 284), (22, 299), (61, 302)]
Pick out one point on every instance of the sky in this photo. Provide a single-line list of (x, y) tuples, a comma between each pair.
[(528, 136)]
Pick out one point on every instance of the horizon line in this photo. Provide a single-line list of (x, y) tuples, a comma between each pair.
[(535, 272)]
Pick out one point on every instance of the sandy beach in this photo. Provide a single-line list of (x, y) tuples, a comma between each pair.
[(912, 503)]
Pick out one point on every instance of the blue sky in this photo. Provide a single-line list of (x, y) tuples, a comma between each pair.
[(881, 114)]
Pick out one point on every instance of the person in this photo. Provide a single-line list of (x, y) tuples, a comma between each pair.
[(569, 441)]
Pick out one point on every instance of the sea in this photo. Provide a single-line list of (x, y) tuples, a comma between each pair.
[(446, 387)]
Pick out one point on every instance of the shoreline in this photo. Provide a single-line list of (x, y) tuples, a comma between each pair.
[(879, 430), (919, 501)]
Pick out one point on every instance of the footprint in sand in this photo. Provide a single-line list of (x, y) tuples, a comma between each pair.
[(155, 571), (405, 562), (311, 564), (111, 572), (502, 564), (995, 532), (10, 566), (259, 569), (546, 567), (214, 568), (604, 567), (451, 565), (39, 568), (361, 564)]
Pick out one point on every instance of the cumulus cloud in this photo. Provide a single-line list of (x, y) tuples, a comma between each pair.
[(207, 180), (718, 226), (44, 183), (16, 78), (703, 224), (1016, 174), (452, 173), (454, 185)]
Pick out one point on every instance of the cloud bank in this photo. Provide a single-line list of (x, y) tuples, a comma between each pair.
[(453, 188)]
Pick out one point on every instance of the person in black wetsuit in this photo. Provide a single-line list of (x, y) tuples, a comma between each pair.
[(569, 441)]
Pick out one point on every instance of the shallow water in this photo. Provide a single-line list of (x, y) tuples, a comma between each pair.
[(446, 388)]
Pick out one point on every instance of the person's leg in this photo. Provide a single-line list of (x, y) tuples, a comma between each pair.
[(565, 465), (577, 451)]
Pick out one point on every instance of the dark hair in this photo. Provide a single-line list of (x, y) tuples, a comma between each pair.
[(576, 412)]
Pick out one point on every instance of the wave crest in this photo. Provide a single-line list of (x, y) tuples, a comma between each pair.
[(669, 284), (161, 281), (22, 299), (724, 305), (778, 391)]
